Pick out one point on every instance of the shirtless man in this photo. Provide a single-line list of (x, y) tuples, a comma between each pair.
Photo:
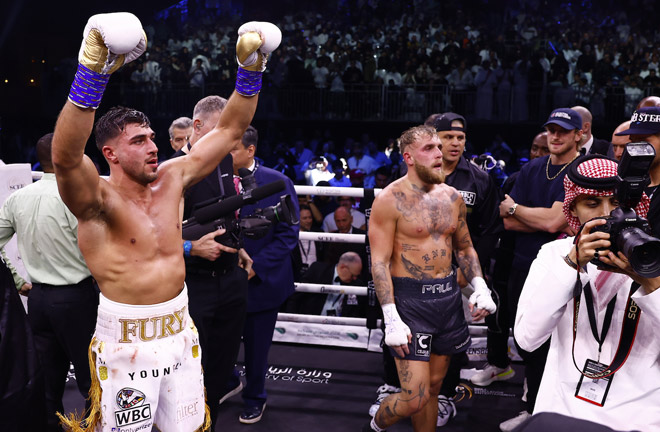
[(145, 352), (416, 223)]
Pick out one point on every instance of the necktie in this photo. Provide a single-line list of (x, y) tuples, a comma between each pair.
[(237, 184), (337, 280)]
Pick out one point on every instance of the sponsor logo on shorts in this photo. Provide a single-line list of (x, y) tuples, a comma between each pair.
[(186, 411), (133, 407), (462, 344), (469, 197), (154, 373), (146, 329), (438, 288), (423, 344)]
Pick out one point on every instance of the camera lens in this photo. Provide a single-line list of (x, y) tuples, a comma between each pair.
[(642, 250)]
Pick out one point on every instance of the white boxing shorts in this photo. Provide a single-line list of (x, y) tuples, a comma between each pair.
[(146, 369)]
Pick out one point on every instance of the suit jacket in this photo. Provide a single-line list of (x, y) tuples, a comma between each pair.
[(603, 147), (312, 303), (220, 183), (334, 250), (273, 282), (296, 255)]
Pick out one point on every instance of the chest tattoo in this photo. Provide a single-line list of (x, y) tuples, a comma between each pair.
[(426, 210)]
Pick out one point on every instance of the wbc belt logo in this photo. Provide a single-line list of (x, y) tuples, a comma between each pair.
[(133, 408)]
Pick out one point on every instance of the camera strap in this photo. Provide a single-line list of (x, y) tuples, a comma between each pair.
[(628, 327)]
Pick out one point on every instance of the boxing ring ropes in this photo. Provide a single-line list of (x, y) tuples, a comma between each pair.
[(360, 333), (337, 330)]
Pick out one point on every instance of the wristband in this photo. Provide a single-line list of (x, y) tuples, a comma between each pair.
[(570, 262), (248, 83), (88, 87), (187, 247)]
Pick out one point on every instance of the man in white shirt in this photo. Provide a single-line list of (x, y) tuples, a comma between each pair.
[(607, 314)]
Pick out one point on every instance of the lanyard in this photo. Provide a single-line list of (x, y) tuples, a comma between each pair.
[(589, 297), (628, 328), (302, 248)]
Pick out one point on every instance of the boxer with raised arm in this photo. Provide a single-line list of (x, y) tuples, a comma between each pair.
[(145, 355), (416, 224)]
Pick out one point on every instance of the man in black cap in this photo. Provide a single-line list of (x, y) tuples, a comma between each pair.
[(645, 126), (533, 211)]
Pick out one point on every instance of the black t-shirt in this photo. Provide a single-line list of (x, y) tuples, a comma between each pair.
[(482, 199), (533, 188)]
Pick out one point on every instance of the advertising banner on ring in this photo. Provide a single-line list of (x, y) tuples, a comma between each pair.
[(321, 334)]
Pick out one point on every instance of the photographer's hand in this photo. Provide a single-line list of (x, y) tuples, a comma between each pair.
[(244, 261), (589, 242), (209, 249), (620, 261)]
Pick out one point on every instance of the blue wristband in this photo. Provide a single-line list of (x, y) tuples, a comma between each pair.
[(248, 83), (187, 247), (88, 87)]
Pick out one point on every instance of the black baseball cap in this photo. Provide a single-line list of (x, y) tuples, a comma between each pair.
[(444, 122)]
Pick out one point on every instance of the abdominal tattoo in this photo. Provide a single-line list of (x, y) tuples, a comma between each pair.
[(416, 271)]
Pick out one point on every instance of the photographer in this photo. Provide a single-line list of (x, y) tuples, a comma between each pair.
[(645, 126), (607, 320)]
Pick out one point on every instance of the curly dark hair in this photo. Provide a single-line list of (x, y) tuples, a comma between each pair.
[(114, 122)]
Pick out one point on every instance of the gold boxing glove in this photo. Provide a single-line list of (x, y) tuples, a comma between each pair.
[(256, 40), (109, 41)]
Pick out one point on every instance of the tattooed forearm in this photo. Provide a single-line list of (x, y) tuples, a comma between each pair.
[(415, 270), (468, 261), (382, 282)]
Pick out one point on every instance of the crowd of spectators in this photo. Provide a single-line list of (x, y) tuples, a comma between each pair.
[(560, 54)]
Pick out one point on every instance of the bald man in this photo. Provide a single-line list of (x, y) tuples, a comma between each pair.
[(650, 101), (344, 221), (539, 146), (619, 141), (591, 144)]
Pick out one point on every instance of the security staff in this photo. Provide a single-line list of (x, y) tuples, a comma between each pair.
[(481, 195)]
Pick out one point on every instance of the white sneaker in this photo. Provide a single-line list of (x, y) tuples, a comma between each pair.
[(383, 391), (446, 410), (511, 424), (492, 373)]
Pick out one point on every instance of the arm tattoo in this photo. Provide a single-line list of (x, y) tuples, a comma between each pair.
[(469, 264), (382, 283), (415, 270)]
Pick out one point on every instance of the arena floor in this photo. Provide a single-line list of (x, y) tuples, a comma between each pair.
[(323, 389)]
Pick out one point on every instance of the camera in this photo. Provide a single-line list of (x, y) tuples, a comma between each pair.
[(630, 233), (220, 213)]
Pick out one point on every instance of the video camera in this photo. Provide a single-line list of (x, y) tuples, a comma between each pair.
[(220, 213), (630, 233)]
